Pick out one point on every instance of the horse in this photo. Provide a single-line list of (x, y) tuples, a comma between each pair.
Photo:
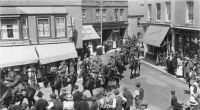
[(69, 80), (134, 65), (55, 82), (6, 95)]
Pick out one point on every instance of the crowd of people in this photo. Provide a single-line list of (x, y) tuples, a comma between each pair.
[(77, 100)]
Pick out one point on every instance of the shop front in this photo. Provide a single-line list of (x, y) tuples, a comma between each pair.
[(158, 42), (187, 41)]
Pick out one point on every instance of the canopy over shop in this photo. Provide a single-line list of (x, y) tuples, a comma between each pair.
[(155, 35), (18, 55), (56, 52), (23, 55)]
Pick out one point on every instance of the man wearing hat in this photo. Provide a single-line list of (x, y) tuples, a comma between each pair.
[(15, 84), (83, 105), (118, 100), (138, 95), (174, 102), (55, 103), (41, 104), (77, 95), (68, 103), (62, 96)]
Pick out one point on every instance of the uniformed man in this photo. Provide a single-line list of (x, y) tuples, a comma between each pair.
[(16, 84)]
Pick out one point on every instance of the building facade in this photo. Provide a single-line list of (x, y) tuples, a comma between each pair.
[(114, 18), (41, 23), (171, 26)]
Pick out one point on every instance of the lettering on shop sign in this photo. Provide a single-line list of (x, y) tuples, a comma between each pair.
[(155, 32)]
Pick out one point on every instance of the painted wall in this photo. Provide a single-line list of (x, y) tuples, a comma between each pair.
[(109, 5), (73, 8)]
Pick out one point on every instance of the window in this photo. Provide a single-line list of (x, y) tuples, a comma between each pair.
[(150, 49), (121, 14), (168, 11), (60, 26), (83, 15), (43, 27), (149, 12), (116, 15), (104, 14), (25, 27), (97, 14), (138, 22), (189, 15), (158, 7), (9, 28)]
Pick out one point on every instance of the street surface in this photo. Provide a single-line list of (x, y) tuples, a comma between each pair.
[(156, 85)]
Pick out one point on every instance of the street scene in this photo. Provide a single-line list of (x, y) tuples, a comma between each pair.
[(99, 55)]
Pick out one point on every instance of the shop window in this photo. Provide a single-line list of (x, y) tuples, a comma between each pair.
[(9, 29), (149, 12), (189, 12), (83, 15), (104, 14), (138, 22), (60, 26), (158, 11), (150, 49), (97, 14), (43, 27), (25, 27), (168, 11), (116, 15), (121, 14)]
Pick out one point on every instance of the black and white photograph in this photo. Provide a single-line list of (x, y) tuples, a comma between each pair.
[(99, 54)]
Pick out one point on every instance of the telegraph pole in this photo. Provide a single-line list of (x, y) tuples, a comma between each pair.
[(101, 21)]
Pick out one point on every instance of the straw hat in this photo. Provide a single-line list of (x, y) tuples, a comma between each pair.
[(69, 97), (193, 101)]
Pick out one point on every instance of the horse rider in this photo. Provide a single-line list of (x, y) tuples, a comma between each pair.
[(15, 84)]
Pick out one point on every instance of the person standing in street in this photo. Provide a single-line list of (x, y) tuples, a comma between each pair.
[(138, 95), (174, 102), (41, 104), (127, 94), (55, 103)]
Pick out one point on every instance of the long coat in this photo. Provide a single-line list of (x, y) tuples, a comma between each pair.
[(127, 94)]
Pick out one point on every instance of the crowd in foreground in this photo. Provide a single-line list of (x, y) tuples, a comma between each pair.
[(77, 100)]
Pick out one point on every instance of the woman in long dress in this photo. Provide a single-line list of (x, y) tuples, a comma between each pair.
[(179, 72)]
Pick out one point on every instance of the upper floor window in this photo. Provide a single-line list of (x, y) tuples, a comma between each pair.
[(158, 11), (168, 11), (9, 28), (189, 12), (97, 14), (60, 26), (116, 15), (83, 15), (43, 27), (121, 14), (138, 22), (104, 14), (149, 12)]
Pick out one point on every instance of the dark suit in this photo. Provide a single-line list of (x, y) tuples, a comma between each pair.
[(41, 104), (61, 97), (127, 94), (175, 104), (83, 105), (77, 99)]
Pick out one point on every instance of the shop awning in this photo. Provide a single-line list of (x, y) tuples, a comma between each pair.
[(18, 55), (56, 52), (89, 33), (155, 35)]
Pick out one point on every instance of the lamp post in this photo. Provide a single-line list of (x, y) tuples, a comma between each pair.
[(101, 17)]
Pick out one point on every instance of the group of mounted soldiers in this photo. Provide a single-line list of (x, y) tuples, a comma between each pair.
[(93, 70)]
